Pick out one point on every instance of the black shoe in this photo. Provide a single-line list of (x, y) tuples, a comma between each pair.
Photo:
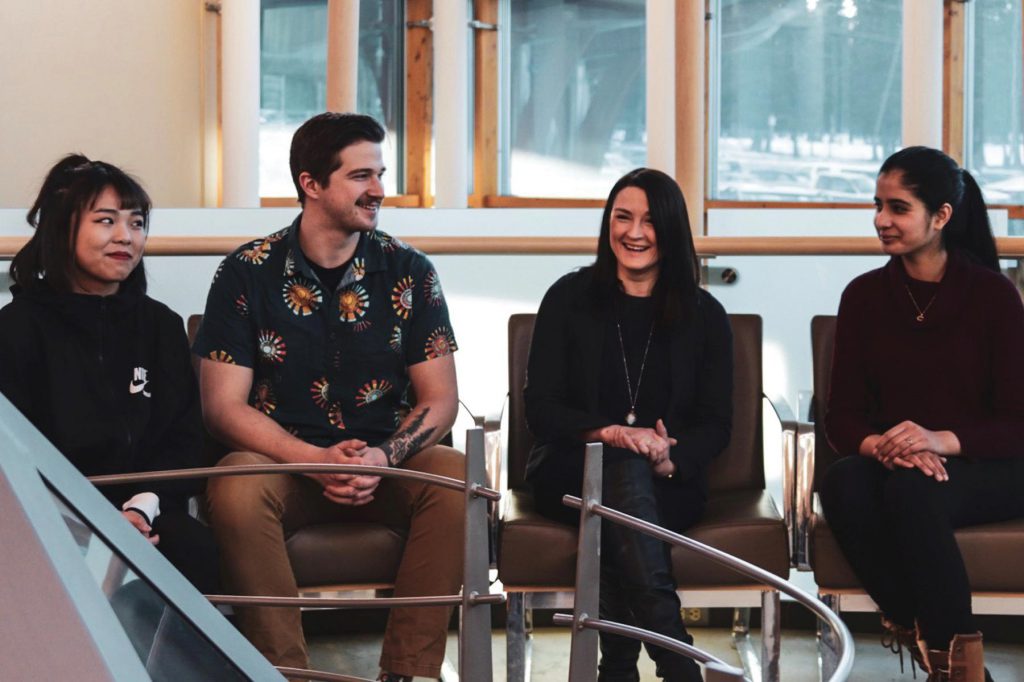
[(392, 677)]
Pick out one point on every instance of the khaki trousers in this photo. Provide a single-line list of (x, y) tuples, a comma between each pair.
[(253, 515)]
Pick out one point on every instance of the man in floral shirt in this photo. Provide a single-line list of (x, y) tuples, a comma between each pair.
[(310, 344)]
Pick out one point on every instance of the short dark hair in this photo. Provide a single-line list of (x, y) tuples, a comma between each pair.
[(675, 292), (935, 178), (69, 190), (317, 144)]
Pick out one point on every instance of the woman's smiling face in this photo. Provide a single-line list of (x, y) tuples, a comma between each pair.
[(632, 236)]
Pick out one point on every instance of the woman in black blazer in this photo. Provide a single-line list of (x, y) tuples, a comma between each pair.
[(632, 353)]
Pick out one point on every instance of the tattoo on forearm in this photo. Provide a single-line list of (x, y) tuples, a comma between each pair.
[(409, 440)]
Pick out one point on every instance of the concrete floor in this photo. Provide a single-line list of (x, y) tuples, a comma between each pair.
[(357, 654)]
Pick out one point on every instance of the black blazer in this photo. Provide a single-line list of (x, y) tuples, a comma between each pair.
[(563, 375)]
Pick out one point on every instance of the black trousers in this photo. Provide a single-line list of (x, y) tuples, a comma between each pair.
[(896, 530), (637, 587), (190, 546)]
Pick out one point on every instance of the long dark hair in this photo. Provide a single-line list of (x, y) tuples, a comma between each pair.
[(675, 292), (69, 190), (936, 179)]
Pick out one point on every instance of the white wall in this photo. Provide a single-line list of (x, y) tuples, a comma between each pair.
[(116, 80)]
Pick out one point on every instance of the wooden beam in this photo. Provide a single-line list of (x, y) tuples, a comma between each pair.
[(691, 119), (953, 60), (500, 201), (342, 54), (1009, 247), (486, 115), (398, 200), (419, 102)]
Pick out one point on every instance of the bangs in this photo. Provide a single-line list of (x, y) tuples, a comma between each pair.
[(133, 197), (99, 176)]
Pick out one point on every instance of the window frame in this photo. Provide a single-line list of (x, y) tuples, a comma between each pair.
[(418, 115), (487, 100)]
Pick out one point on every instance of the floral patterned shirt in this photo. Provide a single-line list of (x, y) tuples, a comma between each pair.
[(327, 365)]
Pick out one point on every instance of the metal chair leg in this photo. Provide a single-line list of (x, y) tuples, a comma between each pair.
[(828, 640), (518, 640), (748, 655), (771, 636)]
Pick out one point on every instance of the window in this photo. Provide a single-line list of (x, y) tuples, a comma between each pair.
[(805, 98), (576, 96), (293, 68), (994, 139)]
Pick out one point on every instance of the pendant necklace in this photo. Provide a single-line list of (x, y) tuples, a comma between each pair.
[(920, 312), (630, 393)]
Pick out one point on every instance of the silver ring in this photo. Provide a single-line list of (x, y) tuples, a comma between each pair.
[(910, 441)]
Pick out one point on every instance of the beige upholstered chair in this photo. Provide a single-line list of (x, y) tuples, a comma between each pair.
[(993, 553), (537, 557)]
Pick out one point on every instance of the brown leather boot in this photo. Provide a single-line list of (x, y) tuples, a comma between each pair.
[(966, 658), (964, 661)]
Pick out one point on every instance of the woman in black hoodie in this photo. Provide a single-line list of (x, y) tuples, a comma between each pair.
[(101, 369)]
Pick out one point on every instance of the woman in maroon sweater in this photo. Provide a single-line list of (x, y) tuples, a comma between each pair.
[(926, 401)]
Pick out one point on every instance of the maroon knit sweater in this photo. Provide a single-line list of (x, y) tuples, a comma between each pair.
[(961, 370)]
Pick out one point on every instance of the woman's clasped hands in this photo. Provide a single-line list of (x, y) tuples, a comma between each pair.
[(654, 444), (910, 445)]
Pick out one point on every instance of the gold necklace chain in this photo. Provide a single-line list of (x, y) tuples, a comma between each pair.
[(920, 312)]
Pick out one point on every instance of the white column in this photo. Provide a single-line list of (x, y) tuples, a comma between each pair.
[(690, 111), (451, 104), (342, 54), (210, 26), (661, 86), (922, 72), (240, 101)]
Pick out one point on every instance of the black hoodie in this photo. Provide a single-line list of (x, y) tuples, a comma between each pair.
[(108, 380)]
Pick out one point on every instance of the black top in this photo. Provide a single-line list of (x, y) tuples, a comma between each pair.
[(567, 361), (330, 277), (961, 369), (109, 381), (327, 365), (635, 317)]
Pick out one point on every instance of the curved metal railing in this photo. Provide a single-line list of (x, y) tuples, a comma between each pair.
[(475, 623), (588, 580)]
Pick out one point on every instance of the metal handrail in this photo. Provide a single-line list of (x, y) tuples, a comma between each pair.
[(845, 666), (588, 562), (647, 636), (594, 508), (318, 675), (475, 660), (252, 469)]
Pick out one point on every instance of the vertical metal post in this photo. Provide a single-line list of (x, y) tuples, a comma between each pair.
[(475, 619), (771, 635), (583, 656), (828, 640), (517, 638)]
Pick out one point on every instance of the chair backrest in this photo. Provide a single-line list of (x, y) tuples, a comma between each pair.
[(739, 467), (192, 325), (520, 440), (823, 338)]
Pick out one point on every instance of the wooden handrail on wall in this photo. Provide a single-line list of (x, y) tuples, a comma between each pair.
[(1009, 247)]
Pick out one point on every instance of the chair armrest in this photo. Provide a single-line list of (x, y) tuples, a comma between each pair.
[(804, 497), (790, 430)]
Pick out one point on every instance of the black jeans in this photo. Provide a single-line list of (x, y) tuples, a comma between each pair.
[(896, 530), (637, 587)]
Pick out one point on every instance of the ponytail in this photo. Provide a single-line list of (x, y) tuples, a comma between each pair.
[(968, 229), (936, 179)]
